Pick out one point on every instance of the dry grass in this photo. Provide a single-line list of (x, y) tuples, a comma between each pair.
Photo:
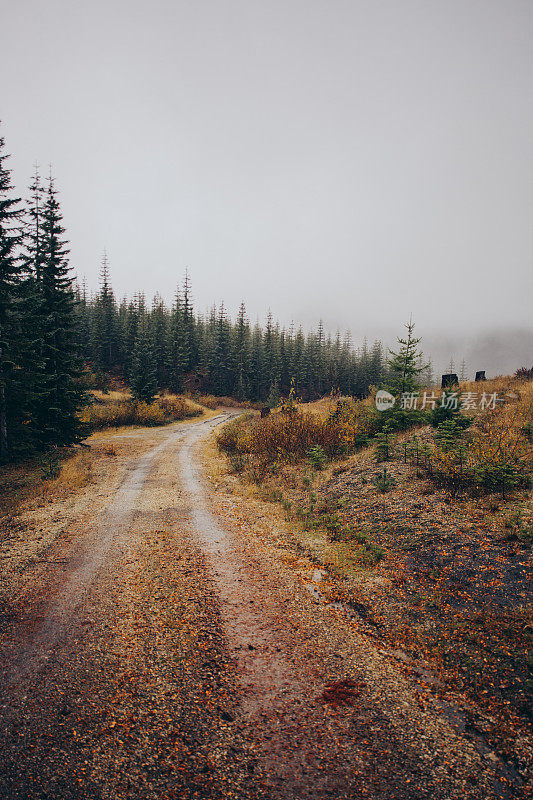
[(108, 397), (208, 401), (319, 408), (18, 483), (229, 402), (116, 409), (48, 476), (452, 584), (75, 473), (501, 385)]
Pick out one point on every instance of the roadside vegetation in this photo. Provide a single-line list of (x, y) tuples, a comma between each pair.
[(59, 471), (116, 409), (422, 521)]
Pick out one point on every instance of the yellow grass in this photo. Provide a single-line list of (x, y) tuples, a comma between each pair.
[(117, 409), (209, 401), (108, 397), (75, 472)]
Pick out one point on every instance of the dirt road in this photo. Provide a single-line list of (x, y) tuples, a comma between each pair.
[(154, 648)]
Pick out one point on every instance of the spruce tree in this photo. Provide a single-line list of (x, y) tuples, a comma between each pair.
[(257, 361), (405, 366), (105, 338), (178, 346), (143, 383), (346, 366), (159, 338), (129, 336), (284, 361), (32, 374), (83, 321), (10, 269), (221, 374), (61, 394), (241, 353), (320, 360), (297, 367), (189, 325)]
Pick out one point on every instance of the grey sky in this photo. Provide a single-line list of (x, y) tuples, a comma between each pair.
[(356, 161)]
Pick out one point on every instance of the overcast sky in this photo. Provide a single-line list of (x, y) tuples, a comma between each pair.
[(355, 161)]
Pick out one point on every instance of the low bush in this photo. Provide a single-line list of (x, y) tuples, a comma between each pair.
[(494, 455), (209, 401), (234, 438), (383, 481), (317, 457), (115, 413), (292, 437), (385, 444)]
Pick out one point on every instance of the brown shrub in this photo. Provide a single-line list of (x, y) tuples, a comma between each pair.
[(117, 412), (209, 401), (282, 437)]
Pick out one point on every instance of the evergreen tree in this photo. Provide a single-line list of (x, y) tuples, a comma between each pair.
[(32, 363), (272, 364), (405, 366), (191, 342), (83, 321), (284, 361), (221, 373), (427, 375), (241, 354), (33, 234), (298, 365), (178, 347), (159, 338), (346, 365), (129, 336), (143, 381), (320, 360), (105, 338), (10, 269), (257, 359), (61, 394)]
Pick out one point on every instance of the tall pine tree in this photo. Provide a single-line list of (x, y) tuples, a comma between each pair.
[(62, 396), (143, 382), (10, 269)]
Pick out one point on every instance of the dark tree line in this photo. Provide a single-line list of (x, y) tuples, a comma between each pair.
[(40, 387), (158, 347)]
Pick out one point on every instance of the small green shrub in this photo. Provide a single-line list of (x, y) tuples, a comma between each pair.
[(383, 481), (385, 444), (317, 457), (50, 465)]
